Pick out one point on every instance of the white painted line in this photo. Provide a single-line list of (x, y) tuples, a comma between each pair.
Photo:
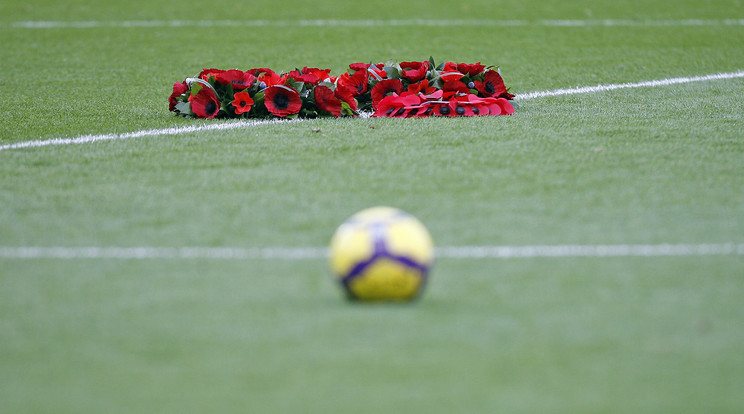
[(145, 252), (645, 84), (619, 250), (40, 24), (85, 139), (313, 253)]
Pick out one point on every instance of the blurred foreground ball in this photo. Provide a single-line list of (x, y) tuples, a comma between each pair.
[(382, 254)]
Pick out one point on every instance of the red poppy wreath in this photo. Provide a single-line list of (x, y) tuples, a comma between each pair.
[(401, 90)]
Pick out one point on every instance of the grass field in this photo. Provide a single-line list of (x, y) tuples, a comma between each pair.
[(637, 166)]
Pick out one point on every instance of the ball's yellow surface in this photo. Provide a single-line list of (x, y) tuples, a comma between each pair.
[(382, 254)]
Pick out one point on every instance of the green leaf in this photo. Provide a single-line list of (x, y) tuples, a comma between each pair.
[(184, 108), (392, 72), (258, 99), (195, 88), (346, 110)]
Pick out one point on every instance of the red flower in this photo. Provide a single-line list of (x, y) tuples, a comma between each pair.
[(411, 104), (436, 95), (207, 73), (312, 76), (470, 105), (357, 82), (493, 107), (455, 86), (481, 106), (325, 100), (205, 103), (242, 102), (282, 100), (506, 107), (493, 85), (304, 77), (345, 94), (414, 71), (450, 72), (178, 90), (258, 71), (470, 69), (322, 74), (237, 78), (474, 105), (268, 77), (421, 87), (423, 110), (390, 106), (378, 70), (399, 106), (358, 66), (384, 88), (442, 109)]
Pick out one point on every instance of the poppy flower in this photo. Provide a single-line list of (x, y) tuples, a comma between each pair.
[(268, 77), (482, 106), (471, 105), (207, 73), (304, 77), (421, 87), (345, 94), (357, 82), (450, 76), (237, 78), (323, 74), (494, 108), (358, 66), (470, 69), (205, 103), (443, 110), (282, 100), (313, 76), (178, 90), (450, 66), (506, 107), (411, 104), (492, 85), (390, 106), (378, 70), (384, 88), (425, 109), (435, 96), (414, 71), (242, 102), (455, 86), (325, 100), (450, 72), (403, 106)]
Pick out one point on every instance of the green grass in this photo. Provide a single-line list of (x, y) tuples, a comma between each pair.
[(562, 335)]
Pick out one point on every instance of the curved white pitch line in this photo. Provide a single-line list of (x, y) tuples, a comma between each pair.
[(313, 253), (85, 139), (645, 84)]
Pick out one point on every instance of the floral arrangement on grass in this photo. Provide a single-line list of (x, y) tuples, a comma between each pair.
[(401, 90)]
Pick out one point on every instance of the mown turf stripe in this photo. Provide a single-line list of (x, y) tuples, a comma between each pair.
[(308, 253), (85, 139), (40, 24)]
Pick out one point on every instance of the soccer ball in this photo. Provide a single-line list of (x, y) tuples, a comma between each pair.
[(381, 254)]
